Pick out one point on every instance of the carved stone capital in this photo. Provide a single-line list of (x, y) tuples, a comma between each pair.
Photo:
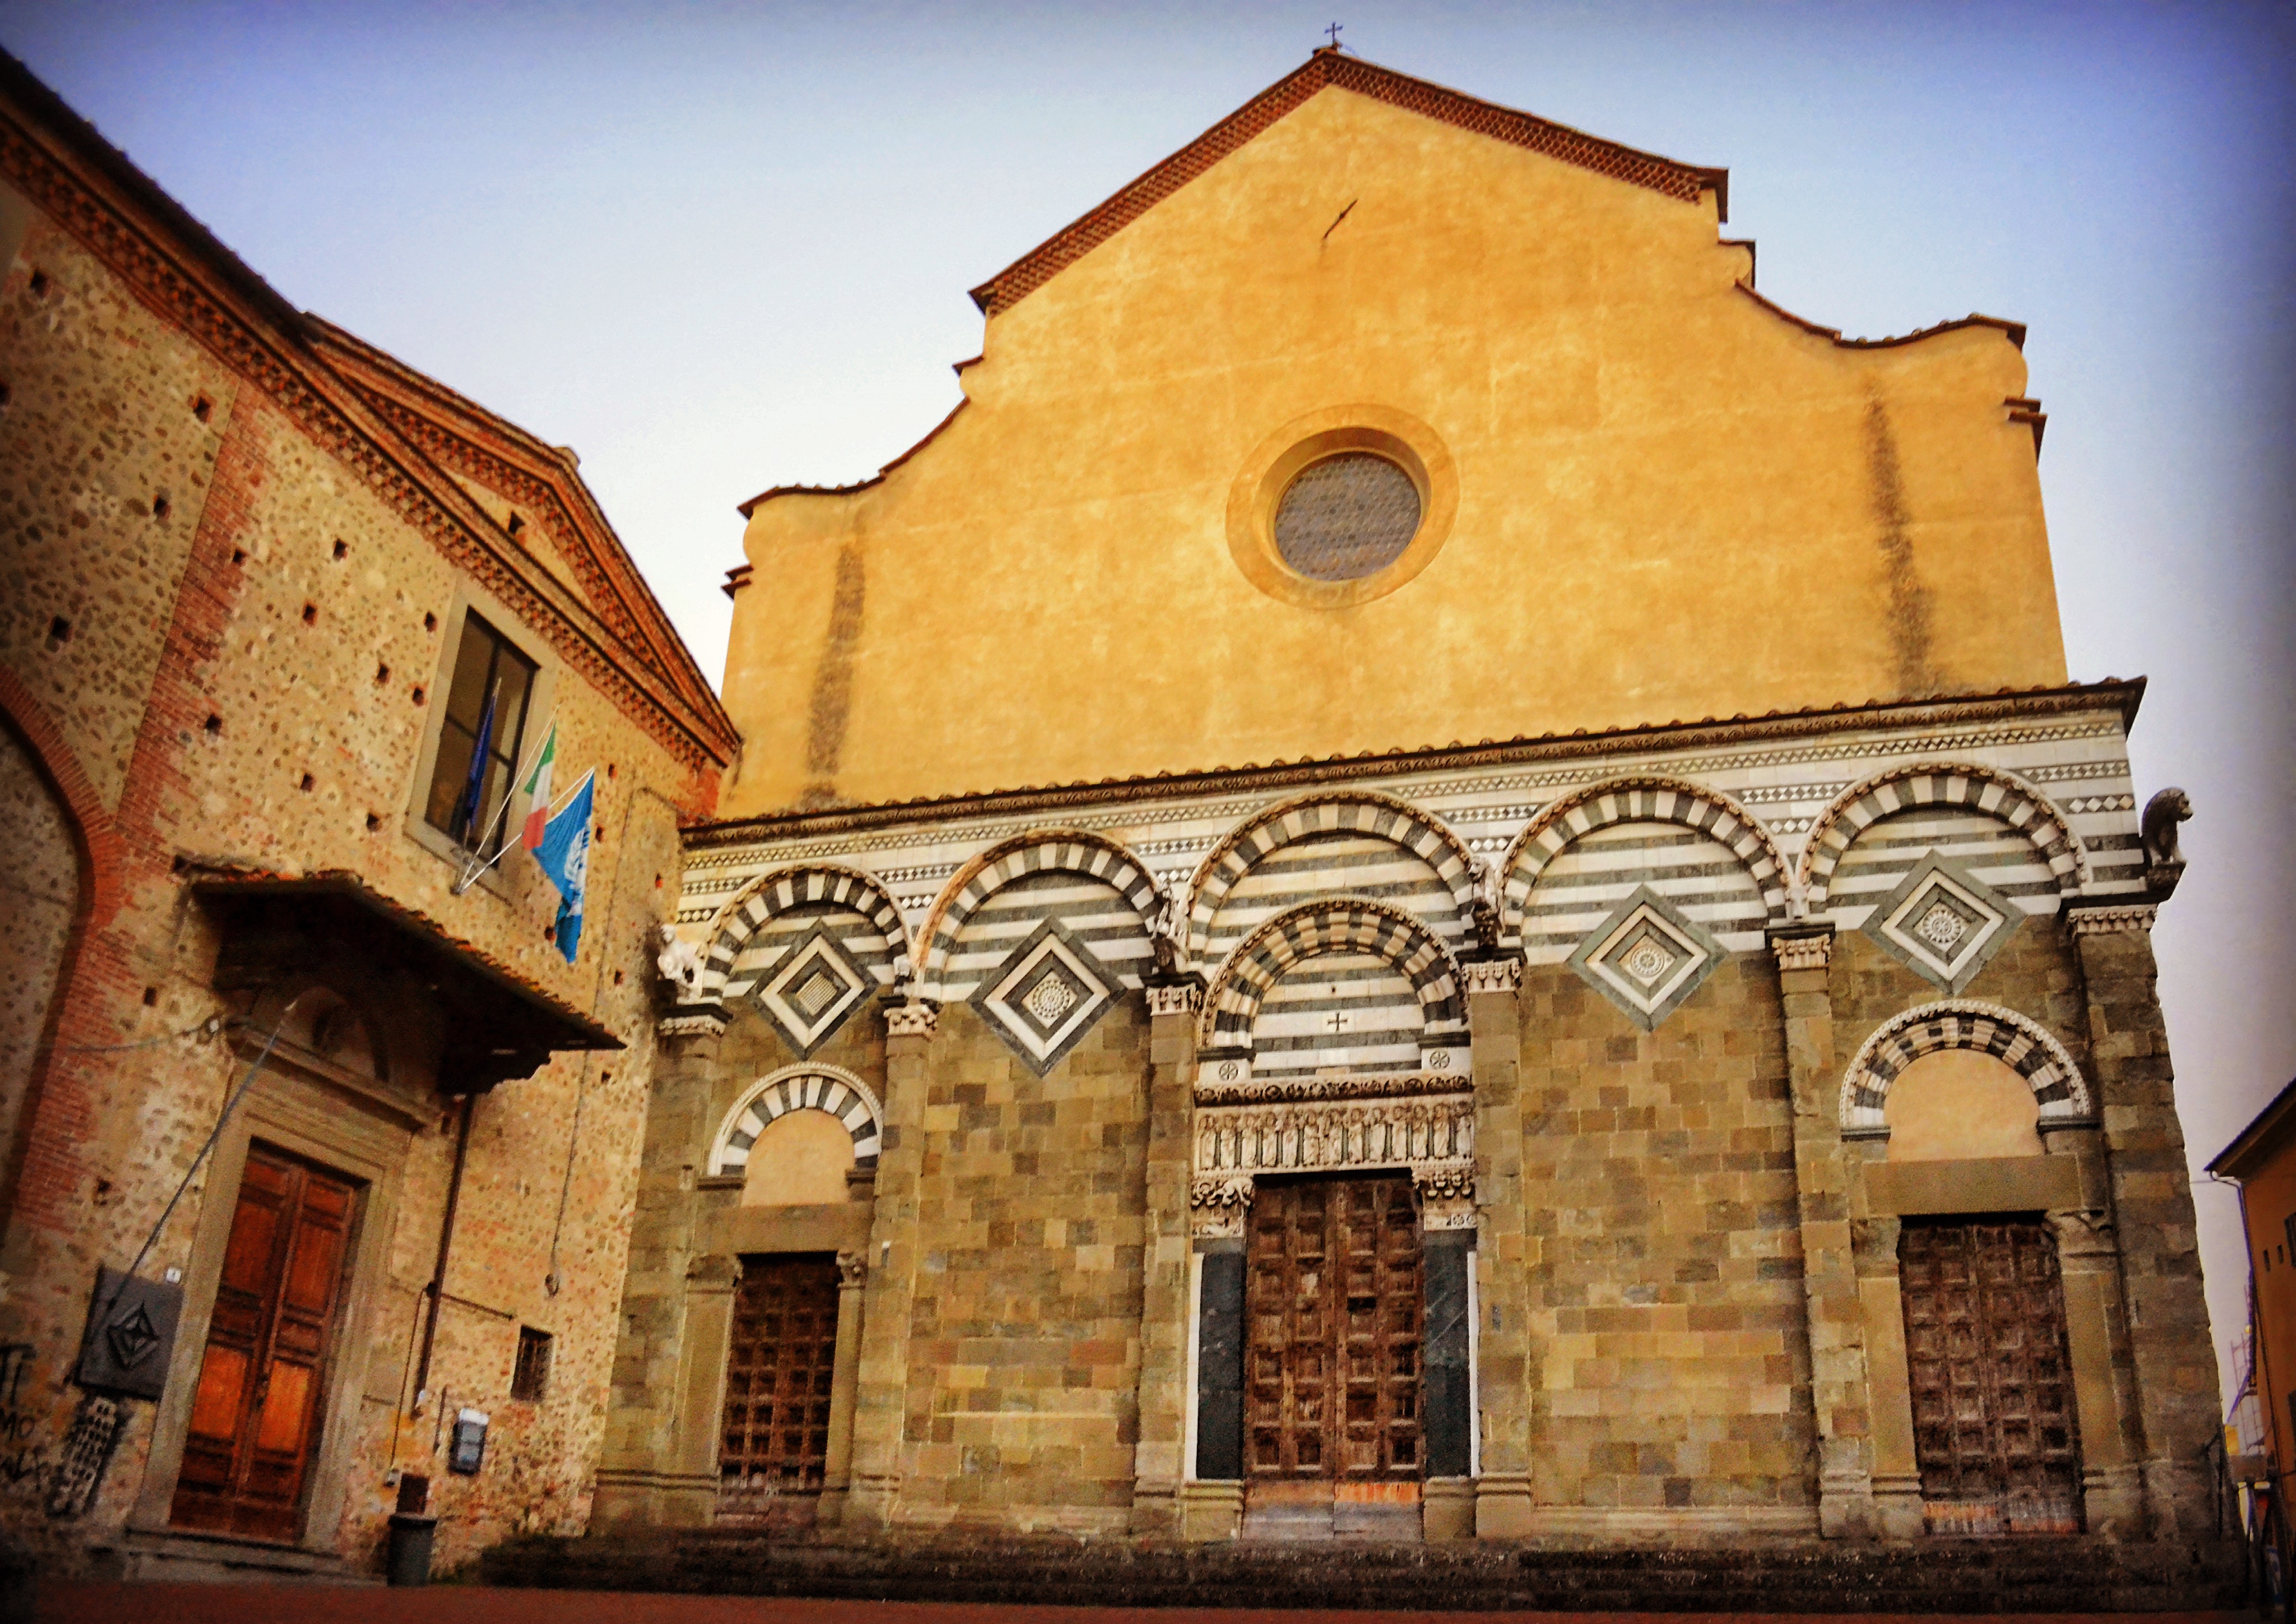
[(1446, 1194), (712, 1271), (915, 1019), (1217, 1207), (694, 1020), (2111, 920), (1234, 1191), (1491, 975), (1803, 950), (852, 1269), (1180, 995)]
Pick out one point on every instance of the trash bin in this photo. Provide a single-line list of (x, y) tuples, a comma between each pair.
[(410, 1549), (411, 1529)]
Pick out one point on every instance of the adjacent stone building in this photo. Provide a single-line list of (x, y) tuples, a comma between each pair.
[(1431, 873), (366, 1140)]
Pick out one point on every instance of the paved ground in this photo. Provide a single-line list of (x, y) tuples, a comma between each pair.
[(471, 1604)]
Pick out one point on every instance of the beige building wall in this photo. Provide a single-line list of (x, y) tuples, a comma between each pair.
[(1670, 500)]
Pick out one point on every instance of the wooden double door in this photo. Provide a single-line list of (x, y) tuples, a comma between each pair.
[(773, 1447), (1995, 1432), (258, 1411), (1332, 1356)]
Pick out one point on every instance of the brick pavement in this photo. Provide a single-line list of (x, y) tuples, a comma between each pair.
[(85, 1604)]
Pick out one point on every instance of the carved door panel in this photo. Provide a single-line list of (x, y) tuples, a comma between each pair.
[(773, 1445), (1332, 1294), (257, 1412), (1995, 1434)]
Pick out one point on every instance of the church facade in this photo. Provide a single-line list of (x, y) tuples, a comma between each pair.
[(1430, 874)]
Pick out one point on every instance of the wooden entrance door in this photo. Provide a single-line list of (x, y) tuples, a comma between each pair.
[(1332, 1385), (773, 1450), (257, 1412), (1994, 1428)]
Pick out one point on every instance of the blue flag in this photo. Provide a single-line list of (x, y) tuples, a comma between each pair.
[(471, 802), (564, 855)]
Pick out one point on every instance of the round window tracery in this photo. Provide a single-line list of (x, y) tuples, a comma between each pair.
[(1347, 517)]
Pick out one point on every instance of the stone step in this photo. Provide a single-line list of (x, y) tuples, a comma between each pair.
[(1941, 1576)]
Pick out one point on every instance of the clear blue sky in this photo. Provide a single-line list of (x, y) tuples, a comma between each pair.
[(720, 246)]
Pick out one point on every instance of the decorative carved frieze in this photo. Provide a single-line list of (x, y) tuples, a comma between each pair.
[(2111, 920), (1492, 975), (1245, 1090), (1335, 1136), (915, 1019), (693, 1020)]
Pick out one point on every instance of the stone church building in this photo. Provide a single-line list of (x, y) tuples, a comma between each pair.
[(1430, 875)]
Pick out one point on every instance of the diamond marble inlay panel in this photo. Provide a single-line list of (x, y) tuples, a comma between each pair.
[(1944, 923), (1046, 994), (1647, 957), (810, 992)]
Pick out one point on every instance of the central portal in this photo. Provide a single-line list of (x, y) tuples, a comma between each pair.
[(1334, 1438)]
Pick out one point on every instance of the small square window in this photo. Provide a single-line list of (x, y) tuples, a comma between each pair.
[(532, 1376), (486, 704)]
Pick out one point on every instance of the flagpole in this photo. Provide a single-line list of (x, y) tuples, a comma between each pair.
[(470, 876)]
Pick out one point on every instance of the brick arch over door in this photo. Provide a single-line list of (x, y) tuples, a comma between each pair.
[(783, 890), (1338, 812), (1076, 851), (1337, 925), (1643, 799), (1940, 784), (2023, 1045)]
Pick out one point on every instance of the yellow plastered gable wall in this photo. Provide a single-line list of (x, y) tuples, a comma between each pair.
[(1673, 502)]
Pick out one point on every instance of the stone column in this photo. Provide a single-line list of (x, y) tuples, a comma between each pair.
[(688, 1490), (638, 1466), (1839, 1307), (1158, 1469), (845, 1385), (880, 1397), (2096, 1337), (1504, 1252), (2172, 1360)]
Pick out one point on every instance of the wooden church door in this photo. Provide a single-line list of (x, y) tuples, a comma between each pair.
[(1332, 1417), (256, 1414), (773, 1452), (1994, 1429)]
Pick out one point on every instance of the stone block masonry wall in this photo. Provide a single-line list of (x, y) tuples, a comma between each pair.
[(1024, 1349), (2152, 1201), (1664, 1254), (695, 1084), (226, 643)]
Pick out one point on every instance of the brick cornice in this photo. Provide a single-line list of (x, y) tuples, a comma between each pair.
[(458, 434), (89, 190)]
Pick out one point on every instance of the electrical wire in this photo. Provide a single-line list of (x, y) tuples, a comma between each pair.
[(206, 1029)]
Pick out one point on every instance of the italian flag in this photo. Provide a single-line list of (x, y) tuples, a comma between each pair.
[(537, 789)]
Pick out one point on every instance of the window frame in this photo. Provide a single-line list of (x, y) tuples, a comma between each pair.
[(523, 1391), (505, 879), (491, 824)]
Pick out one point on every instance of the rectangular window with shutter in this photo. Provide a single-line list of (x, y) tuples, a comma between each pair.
[(531, 1376), (487, 701)]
